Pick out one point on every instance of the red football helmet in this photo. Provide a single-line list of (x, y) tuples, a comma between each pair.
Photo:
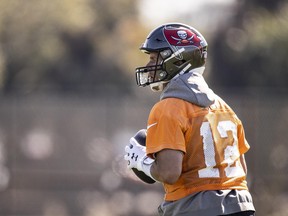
[(181, 48)]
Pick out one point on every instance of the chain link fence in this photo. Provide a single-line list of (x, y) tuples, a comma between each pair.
[(64, 156)]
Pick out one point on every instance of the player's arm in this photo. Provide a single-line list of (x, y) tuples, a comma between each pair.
[(167, 166)]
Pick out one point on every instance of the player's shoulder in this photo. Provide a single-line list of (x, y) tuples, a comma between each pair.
[(222, 108), (167, 107), (172, 105), (220, 104), (168, 103)]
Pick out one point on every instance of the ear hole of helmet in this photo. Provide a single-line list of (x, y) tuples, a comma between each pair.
[(179, 63)]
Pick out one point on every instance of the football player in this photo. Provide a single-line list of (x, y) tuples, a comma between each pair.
[(195, 143)]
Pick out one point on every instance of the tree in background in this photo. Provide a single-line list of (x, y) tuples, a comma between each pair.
[(67, 46), (88, 47), (251, 50)]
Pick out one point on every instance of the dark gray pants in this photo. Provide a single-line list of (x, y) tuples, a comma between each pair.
[(210, 203), (245, 213)]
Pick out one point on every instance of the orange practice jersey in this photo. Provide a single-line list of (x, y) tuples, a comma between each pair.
[(212, 140)]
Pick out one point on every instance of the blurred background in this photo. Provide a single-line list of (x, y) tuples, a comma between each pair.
[(69, 102)]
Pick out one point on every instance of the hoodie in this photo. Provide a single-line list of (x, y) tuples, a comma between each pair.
[(190, 87)]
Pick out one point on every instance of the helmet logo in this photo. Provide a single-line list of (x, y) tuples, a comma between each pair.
[(183, 34), (182, 37)]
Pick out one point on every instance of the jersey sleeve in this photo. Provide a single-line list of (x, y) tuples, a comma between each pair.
[(165, 128), (243, 144)]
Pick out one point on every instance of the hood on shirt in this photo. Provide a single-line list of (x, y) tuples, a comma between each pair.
[(190, 87)]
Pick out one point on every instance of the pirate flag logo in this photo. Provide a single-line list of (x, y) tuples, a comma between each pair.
[(182, 37)]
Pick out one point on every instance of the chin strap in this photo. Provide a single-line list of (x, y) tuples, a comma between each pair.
[(158, 86)]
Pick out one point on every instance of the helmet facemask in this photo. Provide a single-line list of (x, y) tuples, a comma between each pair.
[(153, 73)]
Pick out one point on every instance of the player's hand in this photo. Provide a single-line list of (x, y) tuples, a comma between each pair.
[(137, 159), (136, 155)]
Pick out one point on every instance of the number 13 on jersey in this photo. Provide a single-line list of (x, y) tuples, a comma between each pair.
[(227, 157)]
